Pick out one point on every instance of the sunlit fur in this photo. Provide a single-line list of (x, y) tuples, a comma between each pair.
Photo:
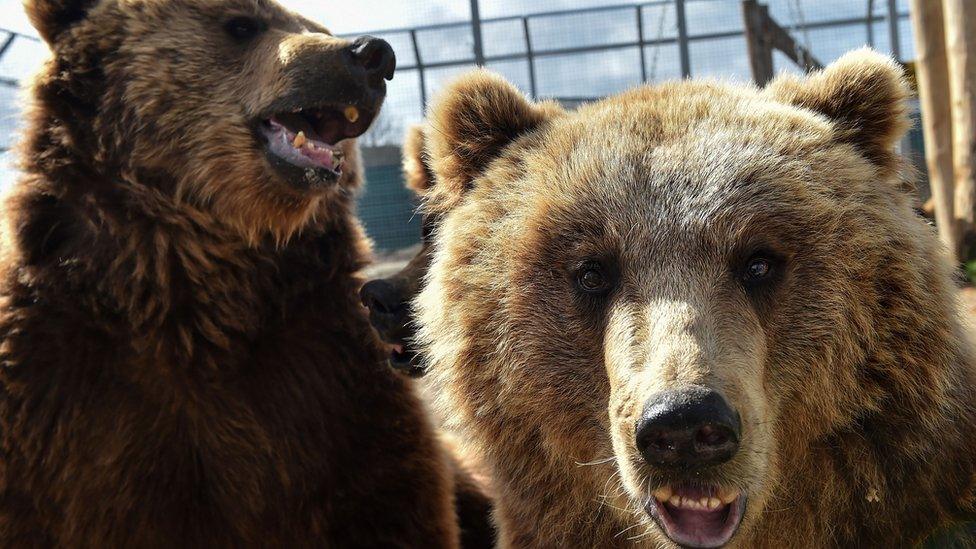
[(184, 361), (853, 373)]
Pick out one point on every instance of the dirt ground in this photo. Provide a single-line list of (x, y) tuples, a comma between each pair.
[(385, 264)]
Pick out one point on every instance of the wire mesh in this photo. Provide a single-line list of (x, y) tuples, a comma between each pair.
[(569, 50)]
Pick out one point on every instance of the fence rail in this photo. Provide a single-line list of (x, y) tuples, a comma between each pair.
[(682, 38), (641, 42)]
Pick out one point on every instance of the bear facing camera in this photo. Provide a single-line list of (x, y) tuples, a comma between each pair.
[(698, 314)]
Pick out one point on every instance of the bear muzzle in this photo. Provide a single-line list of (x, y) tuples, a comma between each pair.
[(337, 95), (684, 432)]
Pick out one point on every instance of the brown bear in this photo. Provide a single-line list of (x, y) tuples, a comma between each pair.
[(185, 362), (698, 314), (388, 300)]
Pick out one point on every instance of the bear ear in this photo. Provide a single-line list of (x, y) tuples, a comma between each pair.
[(469, 126), (416, 168), (52, 17), (864, 93)]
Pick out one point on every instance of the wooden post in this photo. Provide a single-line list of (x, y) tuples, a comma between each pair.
[(763, 35), (932, 75), (960, 37), (781, 40), (758, 43)]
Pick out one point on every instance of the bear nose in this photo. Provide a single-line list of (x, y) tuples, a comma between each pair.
[(375, 56), (383, 299), (688, 428)]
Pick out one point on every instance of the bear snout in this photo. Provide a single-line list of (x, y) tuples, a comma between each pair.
[(688, 428), (387, 304), (375, 56)]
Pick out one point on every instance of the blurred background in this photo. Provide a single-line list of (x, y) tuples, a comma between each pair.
[(570, 50)]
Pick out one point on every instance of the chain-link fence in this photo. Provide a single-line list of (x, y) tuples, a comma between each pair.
[(570, 50)]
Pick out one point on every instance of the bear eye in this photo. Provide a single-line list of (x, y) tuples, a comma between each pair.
[(759, 270), (243, 28), (592, 279)]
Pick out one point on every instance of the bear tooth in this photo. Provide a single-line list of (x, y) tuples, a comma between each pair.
[(663, 493), (713, 503), (299, 140), (727, 495), (351, 113), (675, 501)]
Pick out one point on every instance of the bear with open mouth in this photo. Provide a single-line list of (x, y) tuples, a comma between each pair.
[(698, 314), (185, 361)]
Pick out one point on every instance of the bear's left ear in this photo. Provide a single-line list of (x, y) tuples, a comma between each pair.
[(470, 125), (863, 93), (52, 17)]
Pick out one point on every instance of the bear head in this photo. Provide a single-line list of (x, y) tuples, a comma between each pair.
[(239, 107), (685, 286)]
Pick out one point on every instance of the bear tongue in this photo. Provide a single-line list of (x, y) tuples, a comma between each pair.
[(294, 123), (320, 153), (301, 150)]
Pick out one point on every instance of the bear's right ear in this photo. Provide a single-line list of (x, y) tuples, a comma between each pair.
[(416, 168), (469, 126), (52, 17)]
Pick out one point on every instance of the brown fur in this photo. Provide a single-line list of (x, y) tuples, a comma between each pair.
[(852, 369), (473, 501), (416, 166), (184, 361)]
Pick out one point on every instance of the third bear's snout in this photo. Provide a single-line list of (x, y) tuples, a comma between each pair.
[(687, 428), (384, 300)]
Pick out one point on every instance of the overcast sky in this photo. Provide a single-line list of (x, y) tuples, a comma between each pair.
[(577, 76)]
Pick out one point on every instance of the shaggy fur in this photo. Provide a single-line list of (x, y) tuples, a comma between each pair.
[(416, 166), (850, 366), (184, 360), (473, 501)]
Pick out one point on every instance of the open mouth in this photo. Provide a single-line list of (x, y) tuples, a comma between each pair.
[(697, 516), (309, 138), (405, 359)]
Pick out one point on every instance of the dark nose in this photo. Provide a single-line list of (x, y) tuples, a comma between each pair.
[(687, 429), (375, 56), (383, 298)]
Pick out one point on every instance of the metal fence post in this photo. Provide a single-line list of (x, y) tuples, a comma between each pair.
[(679, 8), (529, 57), (893, 29), (7, 43), (870, 25), (640, 43), (420, 71), (479, 51)]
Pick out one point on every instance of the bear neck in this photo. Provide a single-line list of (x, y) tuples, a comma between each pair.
[(186, 288)]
